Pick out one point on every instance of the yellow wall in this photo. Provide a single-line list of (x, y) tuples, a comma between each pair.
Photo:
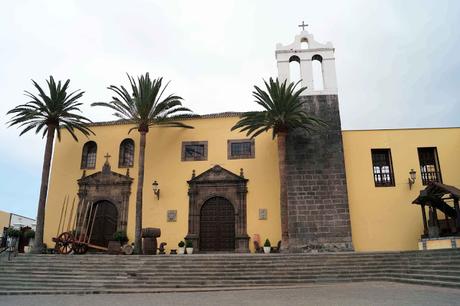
[(163, 164), (383, 218), (4, 220)]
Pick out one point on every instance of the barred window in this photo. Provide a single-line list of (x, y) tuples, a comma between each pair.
[(126, 156), (194, 150), (88, 156), (382, 167), (241, 149), (429, 165)]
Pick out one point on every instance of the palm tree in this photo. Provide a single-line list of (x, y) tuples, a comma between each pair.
[(144, 107), (283, 112), (49, 114)]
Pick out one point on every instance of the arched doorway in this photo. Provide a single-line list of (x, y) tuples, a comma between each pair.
[(105, 223), (217, 225)]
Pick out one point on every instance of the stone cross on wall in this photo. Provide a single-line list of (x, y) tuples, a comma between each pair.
[(107, 156)]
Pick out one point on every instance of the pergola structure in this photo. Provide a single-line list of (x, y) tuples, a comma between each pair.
[(437, 196)]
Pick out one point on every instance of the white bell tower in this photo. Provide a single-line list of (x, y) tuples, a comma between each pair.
[(305, 50)]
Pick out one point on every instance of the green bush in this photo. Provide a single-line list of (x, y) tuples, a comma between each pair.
[(181, 244), (120, 236), (12, 232), (188, 244), (267, 243), (30, 234)]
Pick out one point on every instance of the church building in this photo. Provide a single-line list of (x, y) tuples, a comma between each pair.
[(347, 189)]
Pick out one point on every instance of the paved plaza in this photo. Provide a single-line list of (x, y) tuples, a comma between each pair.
[(370, 293)]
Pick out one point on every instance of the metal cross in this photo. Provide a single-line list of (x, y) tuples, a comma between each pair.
[(107, 156), (303, 26)]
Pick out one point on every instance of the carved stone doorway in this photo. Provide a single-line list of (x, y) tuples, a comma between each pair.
[(221, 190), (105, 223), (217, 225)]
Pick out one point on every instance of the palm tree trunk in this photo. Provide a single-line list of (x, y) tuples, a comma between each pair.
[(281, 137), (140, 186), (38, 247)]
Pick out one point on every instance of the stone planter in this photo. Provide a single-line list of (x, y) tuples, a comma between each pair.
[(27, 249), (114, 247), (181, 251), (267, 250), (189, 250)]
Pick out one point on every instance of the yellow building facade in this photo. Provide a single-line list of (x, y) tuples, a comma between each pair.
[(347, 190)]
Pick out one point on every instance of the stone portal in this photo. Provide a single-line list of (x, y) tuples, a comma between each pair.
[(216, 196)]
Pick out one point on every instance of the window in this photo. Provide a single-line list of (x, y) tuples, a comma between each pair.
[(126, 156), (194, 150), (88, 156), (237, 149), (429, 165), (382, 167)]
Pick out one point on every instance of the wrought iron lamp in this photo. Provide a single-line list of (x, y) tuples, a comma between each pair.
[(156, 189), (412, 176)]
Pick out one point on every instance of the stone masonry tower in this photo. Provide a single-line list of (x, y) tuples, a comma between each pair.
[(318, 212)]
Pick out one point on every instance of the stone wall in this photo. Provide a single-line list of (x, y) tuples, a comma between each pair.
[(317, 192)]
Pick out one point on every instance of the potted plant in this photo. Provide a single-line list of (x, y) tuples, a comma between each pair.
[(119, 239), (181, 250), (267, 246), (30, 236), (189, 246), (13, 235)]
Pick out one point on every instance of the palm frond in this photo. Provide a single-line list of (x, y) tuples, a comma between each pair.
[(282, 111), (145, 105), (57, 109)]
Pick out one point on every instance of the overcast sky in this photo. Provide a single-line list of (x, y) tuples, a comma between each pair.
[(397, 61)]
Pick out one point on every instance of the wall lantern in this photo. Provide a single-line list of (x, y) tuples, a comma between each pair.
[(156, 189), (412, 177)]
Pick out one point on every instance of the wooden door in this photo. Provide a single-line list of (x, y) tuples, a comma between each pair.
[(105, 224), (217, 225)]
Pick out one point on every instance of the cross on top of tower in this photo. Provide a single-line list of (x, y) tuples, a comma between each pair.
[(303, 26)]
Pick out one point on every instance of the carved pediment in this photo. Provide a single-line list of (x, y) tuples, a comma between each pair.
[(105, 178), (218, 174)]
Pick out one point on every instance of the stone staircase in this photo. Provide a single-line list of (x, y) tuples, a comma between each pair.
[(96, 273)]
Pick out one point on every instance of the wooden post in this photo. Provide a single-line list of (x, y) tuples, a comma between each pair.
[(425, 225)]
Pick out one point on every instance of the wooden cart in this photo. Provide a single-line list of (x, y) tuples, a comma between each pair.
[(76, 237)]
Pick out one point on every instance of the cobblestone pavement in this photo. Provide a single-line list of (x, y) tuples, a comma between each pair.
[(370, 293)]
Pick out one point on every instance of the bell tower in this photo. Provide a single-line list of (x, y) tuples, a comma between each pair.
[(306, 51), (318, 214)]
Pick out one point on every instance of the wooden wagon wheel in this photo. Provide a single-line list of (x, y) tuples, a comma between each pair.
[(80, 248), (64, 243)]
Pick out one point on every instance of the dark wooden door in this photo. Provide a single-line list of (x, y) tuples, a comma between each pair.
[(105, 224), (217, 225)]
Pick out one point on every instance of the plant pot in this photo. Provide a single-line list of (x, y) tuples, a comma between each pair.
[(189, 250), (181, 251), (27, 249), (114, 247), (267, 250)]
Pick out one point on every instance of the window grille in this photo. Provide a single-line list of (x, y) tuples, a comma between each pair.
[(382, 168), (126, 156), (88, 157), (429, 165), (241, 149)]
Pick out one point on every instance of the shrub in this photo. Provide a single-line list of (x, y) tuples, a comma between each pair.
[(120, 236), (188, 244), (267, 243), (181, 244), (30, 234), (12, 232)]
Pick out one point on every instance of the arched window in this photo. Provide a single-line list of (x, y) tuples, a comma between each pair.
[(126, 157), (304, 43), (294, 69), (317, 67), (88, 156)]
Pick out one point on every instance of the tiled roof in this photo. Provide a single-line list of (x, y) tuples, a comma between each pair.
[(180, 118)]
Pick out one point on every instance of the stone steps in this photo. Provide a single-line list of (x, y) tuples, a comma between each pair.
[(96, 273)]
